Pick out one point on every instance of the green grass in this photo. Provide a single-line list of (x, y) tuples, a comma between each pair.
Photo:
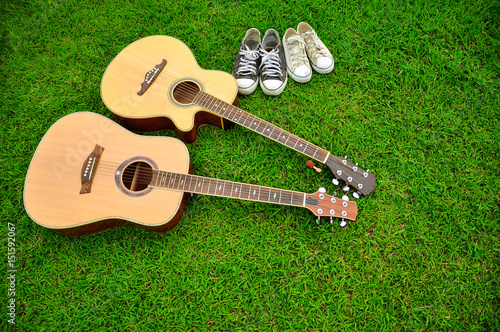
[(414, 97)]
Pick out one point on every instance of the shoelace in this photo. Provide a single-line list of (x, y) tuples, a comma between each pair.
[(271, 63), (297, 54), (248, 61), (314, 45)]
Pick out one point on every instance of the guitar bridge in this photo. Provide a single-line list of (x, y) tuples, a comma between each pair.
[(151, 76), (88, 169)]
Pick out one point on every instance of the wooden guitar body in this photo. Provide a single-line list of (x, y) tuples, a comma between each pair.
[(52, 193), (161, 105)]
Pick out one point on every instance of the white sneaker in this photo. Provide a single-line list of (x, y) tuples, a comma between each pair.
[(321, 58), (273, 76), (246, 65), (297, 64)]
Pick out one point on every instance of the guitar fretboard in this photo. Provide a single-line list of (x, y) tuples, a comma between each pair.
[(260, 126), (214, 187)]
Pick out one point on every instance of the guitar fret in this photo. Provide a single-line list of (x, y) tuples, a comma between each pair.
[(315, 151), (166, 177), (200, 99), (158, 179), (226, 108), (174, 181), (271, 132), (263, 130), (190, 183), (179, 182), (207, 101), (200, 185), (183, 182), (287, 139), (248, 116), (209, 186), (212, 101), (215, 187), (306, 145)]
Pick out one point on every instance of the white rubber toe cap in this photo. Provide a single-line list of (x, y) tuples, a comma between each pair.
[(301, 74), (324, 65), (272, 87), (246, 86)]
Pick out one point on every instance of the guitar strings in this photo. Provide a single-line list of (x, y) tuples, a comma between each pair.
[(144, 177)]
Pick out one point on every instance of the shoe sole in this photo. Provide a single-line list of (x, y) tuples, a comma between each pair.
[(248, 90), (323, 70), (274, 92), (299, 79)]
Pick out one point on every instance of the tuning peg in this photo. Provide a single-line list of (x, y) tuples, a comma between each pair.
[(342, 223), (346, 188), (317, 220), (322, 190), (311, 164), (356, 194), (334, 194), (345, 198), (331, 220), (335, 181)]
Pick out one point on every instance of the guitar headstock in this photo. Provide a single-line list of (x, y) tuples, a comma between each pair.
[(354, 176), (324, 205)]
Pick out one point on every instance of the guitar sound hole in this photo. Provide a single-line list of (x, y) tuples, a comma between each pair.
[(185, 92), (137, 176)]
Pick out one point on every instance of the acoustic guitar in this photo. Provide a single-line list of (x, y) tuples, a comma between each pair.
[(155, 83), (89, 174)]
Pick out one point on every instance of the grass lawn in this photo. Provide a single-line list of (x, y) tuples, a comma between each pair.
[(414, 97)]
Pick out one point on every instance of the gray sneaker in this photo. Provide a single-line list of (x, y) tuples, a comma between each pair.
[(321, 58), (297, 64), (246, 65), (273, 76)]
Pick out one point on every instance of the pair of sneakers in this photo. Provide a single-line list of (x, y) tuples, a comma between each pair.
[(268, 61), (299, 42), (260, 61)]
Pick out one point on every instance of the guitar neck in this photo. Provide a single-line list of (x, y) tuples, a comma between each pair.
[(222, 188), (260, 126)]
